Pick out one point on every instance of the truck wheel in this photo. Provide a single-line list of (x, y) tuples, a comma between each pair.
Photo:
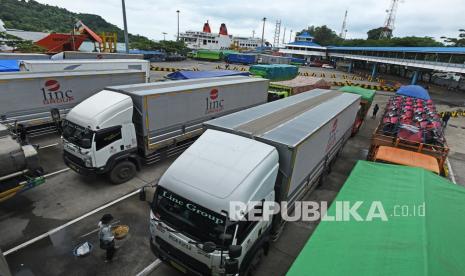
[(122, 172)]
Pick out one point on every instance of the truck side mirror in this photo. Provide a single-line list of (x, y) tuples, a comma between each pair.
[(234, 251), (231, 266), (209, 247)]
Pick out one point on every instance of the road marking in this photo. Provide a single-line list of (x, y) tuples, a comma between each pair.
[(53, 231), (149, 268), (451, 172), (48, 175), (48, 146)]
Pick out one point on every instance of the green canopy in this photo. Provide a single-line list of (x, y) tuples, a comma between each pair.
[(366, 94), (274, 72), (433, 244)]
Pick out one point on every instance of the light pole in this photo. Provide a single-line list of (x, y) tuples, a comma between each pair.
[(290, 36), (263, 31), (126, 39), (177, 37), (164, 35)]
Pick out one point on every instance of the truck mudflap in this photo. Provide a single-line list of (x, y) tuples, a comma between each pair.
[(178, 259)]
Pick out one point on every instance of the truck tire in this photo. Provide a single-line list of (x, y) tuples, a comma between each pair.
[(122, 172)]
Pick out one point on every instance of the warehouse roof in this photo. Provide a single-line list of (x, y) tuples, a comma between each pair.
[(439, 50)]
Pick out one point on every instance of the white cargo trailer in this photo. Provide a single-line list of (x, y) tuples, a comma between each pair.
[(146, 122), (276, 152), (86, 65), (28, 98), (24, 56), (94, 55), (270, 59)]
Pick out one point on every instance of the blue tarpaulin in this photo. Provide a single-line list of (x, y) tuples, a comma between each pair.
[(241, 58), (184, 75), (415, 91), (9, 65)]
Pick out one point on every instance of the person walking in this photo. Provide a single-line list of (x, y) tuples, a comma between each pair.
[(375, 111), (445, 119), (107, 239)]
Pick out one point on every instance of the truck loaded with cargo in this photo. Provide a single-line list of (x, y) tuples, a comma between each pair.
[(29, 98), (365, 103), (241, 58), (86, 65), (410, 122), (122, 127), (275, 152), (299, 84), (410, 222)]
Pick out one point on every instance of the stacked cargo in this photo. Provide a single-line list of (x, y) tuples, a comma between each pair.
[(419, 230), (241, 58), (275, 72), (299, 84), (410, 122), (208, 55)]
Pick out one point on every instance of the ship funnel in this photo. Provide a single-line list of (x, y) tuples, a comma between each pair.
[(223, 30), (206, 28)]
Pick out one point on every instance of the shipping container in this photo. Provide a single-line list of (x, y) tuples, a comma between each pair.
[(307, 129), (28, 98), (189, 104), (23, 56), (269, 59), (94, 55), (86, 65)]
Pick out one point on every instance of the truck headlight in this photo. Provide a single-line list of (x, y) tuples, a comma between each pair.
[(88, 162)]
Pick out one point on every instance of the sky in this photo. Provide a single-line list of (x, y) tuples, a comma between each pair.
[(153, 17)]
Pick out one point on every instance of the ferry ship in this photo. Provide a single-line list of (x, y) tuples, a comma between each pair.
[(221, 41)]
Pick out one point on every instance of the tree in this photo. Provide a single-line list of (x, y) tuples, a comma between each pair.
[(18, 44), (323, 35), (377, 33), (167, 46), (456, 42)]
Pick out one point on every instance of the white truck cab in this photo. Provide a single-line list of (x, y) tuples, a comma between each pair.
[(98, 133), (196, 235)]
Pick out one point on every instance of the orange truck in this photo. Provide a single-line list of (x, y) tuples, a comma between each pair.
[(416, 140)]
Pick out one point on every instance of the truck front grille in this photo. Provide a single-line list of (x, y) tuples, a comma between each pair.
[(74, 159), (183, 257)]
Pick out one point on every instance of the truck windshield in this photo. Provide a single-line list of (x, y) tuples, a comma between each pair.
[(190, 218), (77, 135)]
